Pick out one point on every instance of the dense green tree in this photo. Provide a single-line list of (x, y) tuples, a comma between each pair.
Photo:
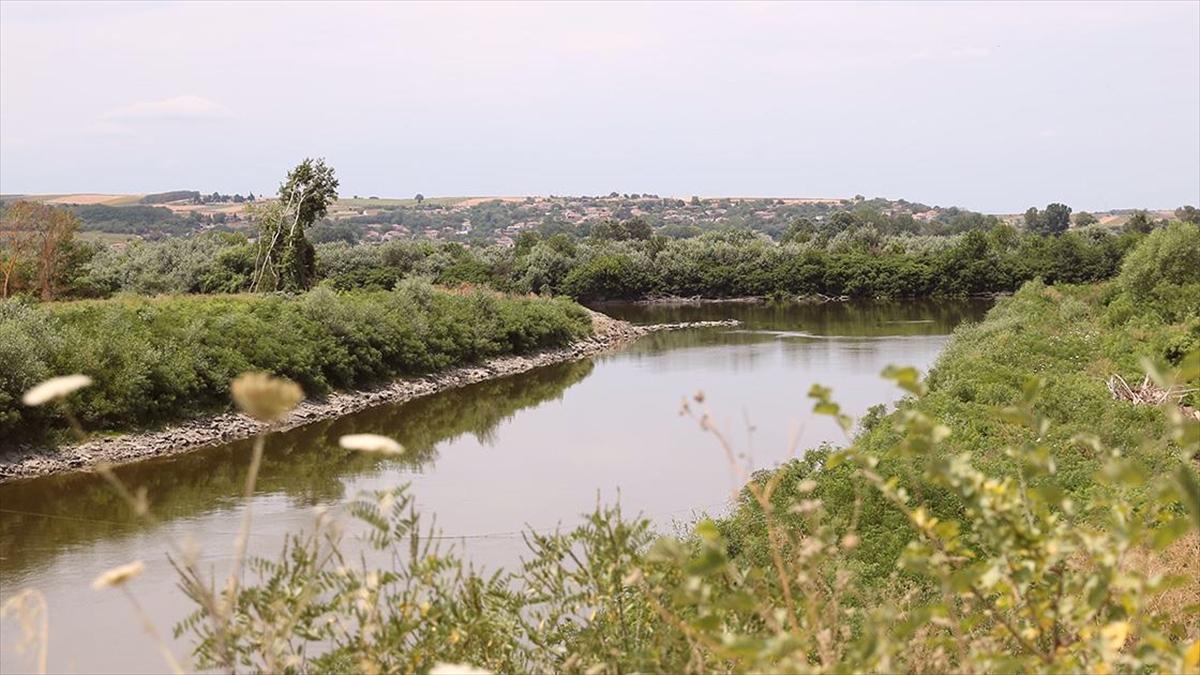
[(1033, 219), (607, 276), (1083, 219), (1054, 220), (843, 220), (624, 230), (1057, 218), (333, 230), (525, 242), (800, 231)]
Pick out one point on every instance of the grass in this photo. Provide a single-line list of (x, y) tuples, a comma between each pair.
[(1062, 335)]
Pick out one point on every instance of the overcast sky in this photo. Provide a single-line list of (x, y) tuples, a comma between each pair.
[(988, 106)]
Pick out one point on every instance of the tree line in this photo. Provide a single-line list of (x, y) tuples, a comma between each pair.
[(862, 252), (195, 197), (858, 262)]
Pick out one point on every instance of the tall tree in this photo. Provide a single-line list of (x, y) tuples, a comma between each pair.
[(1057, 218), (286, 260), (34, 236), (1054, 220), (1033, 219)]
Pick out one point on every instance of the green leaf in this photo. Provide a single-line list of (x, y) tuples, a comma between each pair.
[(707, 530), (708, 561), (907, 378), (826, 408), (1189, 370), (1032, 388), (1167, 534)]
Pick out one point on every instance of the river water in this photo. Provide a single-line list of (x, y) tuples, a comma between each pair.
[(532, 450)]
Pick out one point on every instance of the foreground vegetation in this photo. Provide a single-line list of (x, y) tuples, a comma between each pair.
[(1009, 516), (155, 360)]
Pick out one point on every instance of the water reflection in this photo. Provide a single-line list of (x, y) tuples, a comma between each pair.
[(41, 517), (859, 318)]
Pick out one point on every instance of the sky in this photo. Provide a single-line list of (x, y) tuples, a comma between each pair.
[(988, 106)]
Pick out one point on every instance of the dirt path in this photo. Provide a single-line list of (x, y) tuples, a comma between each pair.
[(32, 462)]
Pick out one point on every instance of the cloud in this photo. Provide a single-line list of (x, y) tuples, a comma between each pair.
[(175, 108)]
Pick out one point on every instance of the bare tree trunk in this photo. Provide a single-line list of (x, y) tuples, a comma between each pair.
[(46, 266), (44, 280)]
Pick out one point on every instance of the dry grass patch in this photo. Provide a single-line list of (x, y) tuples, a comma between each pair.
[(1181, 559)]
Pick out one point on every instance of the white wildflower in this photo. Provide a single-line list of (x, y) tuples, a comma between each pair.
[(117, 576), (263, 397), (55, 388)]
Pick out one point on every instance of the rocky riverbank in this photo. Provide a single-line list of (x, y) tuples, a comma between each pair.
[(30, 462)]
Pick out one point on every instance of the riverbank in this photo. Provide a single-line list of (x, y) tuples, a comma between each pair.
[(1076, 340), (33, 461)]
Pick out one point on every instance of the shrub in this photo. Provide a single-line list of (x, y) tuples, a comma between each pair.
[(608, 276), (162, 359), (1164, 270)]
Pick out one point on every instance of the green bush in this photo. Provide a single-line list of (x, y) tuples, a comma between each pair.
[(1163, 271), (155, 360), (1170, 255), (609, 276)]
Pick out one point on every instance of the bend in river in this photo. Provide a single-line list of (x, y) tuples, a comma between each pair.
[(534, 449)]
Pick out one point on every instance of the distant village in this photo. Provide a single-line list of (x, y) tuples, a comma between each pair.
[(500, 220)]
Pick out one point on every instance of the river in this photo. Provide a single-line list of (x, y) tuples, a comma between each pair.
[(530, 450)]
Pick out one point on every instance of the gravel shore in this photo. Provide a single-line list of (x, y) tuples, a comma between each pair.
[(30, 462)]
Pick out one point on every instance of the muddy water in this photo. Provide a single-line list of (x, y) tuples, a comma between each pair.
[(531, 450)]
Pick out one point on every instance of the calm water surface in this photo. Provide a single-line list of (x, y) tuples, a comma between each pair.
[(532, 450)]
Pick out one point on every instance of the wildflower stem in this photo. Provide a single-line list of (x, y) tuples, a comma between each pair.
[(148, 625)]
